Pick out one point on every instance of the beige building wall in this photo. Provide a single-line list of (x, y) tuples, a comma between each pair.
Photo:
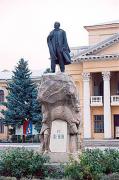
[(97, 34), (3, 85), (101, 32), (76, 71)]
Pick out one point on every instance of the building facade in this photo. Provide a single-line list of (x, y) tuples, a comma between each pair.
[(95, 69)]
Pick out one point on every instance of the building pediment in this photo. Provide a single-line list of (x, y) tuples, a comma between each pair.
[(107, 49)]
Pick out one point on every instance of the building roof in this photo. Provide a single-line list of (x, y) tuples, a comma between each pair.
[(90, 53), (7, 75), (106, 23), (101, 45)]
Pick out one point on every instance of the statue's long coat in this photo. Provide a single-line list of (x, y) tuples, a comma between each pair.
[(62, 41)]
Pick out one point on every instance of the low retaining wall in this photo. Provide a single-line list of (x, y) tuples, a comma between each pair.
[(34, 146), (101, 144)]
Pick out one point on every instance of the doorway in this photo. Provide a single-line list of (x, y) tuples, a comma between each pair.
[(116, 126)]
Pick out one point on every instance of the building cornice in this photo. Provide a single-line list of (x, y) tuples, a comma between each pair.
[(109, 24), (95, 58), (105, 26)]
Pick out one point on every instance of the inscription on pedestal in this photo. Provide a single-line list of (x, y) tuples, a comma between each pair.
[(58, 138)]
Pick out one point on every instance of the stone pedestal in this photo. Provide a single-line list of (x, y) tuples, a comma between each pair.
[(61, 114), (58, 137)]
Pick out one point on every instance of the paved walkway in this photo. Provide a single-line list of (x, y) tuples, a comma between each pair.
[(34, 146)]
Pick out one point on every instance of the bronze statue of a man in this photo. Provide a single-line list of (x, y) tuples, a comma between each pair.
[(58, 48)]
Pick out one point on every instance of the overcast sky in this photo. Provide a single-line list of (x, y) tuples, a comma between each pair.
[(25, 25)]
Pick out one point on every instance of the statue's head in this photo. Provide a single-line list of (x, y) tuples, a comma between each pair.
[(56, 25)]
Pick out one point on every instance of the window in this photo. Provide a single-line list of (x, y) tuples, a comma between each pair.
[(98, 124), (1, 96), (1, 128)]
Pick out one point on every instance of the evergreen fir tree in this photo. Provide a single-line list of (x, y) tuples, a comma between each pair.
[(22, 101), (35, 110)]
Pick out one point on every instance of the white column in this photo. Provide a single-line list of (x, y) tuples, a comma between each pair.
[(86, 105), (107, 109)]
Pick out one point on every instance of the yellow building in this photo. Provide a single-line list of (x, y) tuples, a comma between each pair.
[(95, 69)]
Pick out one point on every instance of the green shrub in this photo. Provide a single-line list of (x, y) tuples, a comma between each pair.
[(55, 171), (20, 162), (111, 161), (93, 163), (73, 170), (113, 176), (92, 160)]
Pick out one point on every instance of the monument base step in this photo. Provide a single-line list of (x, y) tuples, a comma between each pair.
[(58, 157), (61, 157)]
